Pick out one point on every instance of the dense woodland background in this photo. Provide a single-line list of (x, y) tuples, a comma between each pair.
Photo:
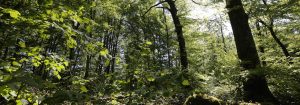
[(138, 52)]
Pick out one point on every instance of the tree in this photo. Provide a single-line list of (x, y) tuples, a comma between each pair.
[(255, 87), (180, 38), (270, 27)]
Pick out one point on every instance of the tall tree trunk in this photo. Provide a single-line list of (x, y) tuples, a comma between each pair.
[(255, 86), (180, 38)]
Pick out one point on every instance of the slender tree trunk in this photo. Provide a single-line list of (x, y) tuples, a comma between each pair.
[(277, 40), (261, 47), (89, 56), (273, 33), (113, 60), (223, 38), (168, 37), (87, 66), (72, 51), (282, 46), (180, 38), (255, 86)]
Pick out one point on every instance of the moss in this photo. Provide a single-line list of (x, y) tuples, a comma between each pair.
[(200, 99), (203, 99)]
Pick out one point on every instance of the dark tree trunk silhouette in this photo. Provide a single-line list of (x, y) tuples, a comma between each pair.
[(180, 38), (87, 66), (255, 86)]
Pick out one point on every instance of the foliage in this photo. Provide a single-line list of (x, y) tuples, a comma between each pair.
[(115, 52)]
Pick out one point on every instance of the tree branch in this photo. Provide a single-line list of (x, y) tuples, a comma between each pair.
[(196, 2), (265, 2), (164, 8), (153, 7), (262, 22)]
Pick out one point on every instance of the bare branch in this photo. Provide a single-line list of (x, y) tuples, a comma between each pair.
[(265, 2), (262, 22), (195, 2)]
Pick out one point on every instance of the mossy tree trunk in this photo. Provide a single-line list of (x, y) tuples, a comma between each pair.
[(255, 86)]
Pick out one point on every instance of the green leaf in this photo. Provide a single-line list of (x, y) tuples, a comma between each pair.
[(49, 3), (22, 44), (13, 93), (71, 43), (151, 79), (185, 82), (66, 63), (93, 4), (16, 63), (19, 102), (89, 29), (106, 25), (36, 102), (36, 64), (83, 89), (81, 8), (56, 74), (23, 60), (114, 102), (13, 13), (103, 52), (107, 62), (149, 43)]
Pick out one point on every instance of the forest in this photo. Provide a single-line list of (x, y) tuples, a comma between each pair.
[(149, 52)]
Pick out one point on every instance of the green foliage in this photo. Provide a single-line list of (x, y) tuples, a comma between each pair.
[(111, 52)]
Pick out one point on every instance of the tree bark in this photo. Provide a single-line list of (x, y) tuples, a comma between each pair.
[(87, 66), (180, 38), (255, 86)]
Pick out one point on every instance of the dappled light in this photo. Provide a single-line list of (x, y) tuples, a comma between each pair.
[(149, 52)]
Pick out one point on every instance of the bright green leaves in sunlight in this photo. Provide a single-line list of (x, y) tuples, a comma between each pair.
[(7, 92), (114, 102), (56, 65), (104, 52), (148, 43), (13, 13), (185, 82), (22, 44), (71, 43), (49, 2), (93, 4), (83, 89), (150, 78), (15, 63)]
